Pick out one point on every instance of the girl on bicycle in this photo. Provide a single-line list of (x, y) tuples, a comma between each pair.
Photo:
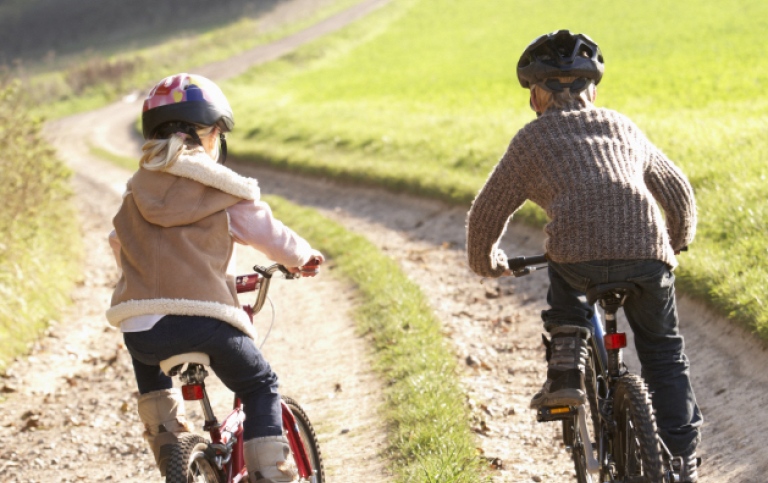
[(600, 181), (173, 239)]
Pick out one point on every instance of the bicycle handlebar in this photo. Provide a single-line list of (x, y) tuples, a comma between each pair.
[(522, 266), (523, 262), (263, 277)]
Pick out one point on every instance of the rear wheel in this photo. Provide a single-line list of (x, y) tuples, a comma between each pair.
[(636, 449), (188, 463), (308, 439)]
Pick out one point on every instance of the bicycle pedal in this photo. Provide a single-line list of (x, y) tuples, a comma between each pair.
[(557, 413)]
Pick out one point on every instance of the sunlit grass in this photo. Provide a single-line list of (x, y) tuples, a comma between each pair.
[(40, 247), (423, 97)]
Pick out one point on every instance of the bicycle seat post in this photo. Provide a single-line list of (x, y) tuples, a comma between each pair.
[(611, 297), (611, 302), (194, 389)]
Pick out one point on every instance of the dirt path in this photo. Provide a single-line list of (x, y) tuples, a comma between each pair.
[(494, 328)]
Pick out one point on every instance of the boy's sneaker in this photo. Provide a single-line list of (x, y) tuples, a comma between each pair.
[(689, 472), (566, 355)]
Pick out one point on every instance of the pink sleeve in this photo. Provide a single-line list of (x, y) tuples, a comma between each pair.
[(251, 223)]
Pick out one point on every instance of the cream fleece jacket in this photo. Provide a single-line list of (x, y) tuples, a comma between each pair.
[(173, 240)]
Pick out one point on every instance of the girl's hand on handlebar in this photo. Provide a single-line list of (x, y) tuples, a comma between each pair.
[(312, 267)]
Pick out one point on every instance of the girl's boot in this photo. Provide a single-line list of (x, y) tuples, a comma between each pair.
[(162, 413), (268, 460)]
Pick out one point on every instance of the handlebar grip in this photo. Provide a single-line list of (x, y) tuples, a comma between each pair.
[(520, 262)]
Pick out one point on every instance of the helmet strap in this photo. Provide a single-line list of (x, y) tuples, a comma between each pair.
[(554, 85), (533, 106), (223, 149)]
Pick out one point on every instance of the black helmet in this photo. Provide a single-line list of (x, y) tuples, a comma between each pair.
[(185, 98), (560, 54)]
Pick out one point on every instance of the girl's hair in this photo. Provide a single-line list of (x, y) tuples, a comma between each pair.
[(546, 98), (160, 153)]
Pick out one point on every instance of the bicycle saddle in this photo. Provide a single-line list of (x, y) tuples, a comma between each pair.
[(168, 365), (596, 292)]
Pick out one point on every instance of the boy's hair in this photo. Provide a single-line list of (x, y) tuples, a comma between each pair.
[(547, 98)]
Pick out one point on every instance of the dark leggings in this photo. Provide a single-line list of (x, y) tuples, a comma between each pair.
[(235, 359)]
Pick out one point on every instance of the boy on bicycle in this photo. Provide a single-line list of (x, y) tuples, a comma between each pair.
[(601, 182)]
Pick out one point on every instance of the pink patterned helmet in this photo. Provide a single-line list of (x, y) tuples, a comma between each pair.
[(186, 98)]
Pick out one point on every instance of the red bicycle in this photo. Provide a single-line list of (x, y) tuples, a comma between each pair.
[(220, 458)]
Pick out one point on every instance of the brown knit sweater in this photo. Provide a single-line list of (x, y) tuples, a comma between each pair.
[(599, 180)]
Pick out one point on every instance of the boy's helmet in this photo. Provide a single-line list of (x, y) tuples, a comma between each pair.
[(186, 98), (560, 54)]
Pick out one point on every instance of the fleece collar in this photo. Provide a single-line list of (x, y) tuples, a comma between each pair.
[(199, 167)]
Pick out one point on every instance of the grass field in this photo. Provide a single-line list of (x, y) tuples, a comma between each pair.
[(423, 97)]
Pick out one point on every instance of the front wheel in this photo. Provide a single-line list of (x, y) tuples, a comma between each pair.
[(305, 435), (572, 434), (188, 463), (636, 449)]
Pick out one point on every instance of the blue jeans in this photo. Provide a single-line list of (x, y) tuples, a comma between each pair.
[(235, 359), (653, 318)]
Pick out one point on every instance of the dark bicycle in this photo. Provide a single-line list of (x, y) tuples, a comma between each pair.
[(613, 437)]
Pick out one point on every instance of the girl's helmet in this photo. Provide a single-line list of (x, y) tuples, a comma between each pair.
[(560, 54), (186, 98)]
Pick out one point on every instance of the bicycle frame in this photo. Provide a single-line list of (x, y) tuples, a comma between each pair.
[(607, 372), (227, 436)]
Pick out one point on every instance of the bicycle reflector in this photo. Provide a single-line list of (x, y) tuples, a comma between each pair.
[(615, 341), (192, 392)]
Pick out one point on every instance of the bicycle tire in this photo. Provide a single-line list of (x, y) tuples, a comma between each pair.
[(308, 439), (578, 455), (636, 449), (187, 462), (571, 431)]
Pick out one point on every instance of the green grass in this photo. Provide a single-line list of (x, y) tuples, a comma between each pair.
[(125, 162), (425, 409), (40, 250), (423, 97)]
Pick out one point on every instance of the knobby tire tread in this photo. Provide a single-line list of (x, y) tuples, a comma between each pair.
[(631, 398), (309, 438), (178, 462), (570, 426)]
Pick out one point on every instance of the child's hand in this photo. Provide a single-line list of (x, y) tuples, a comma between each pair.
[(312, 267)]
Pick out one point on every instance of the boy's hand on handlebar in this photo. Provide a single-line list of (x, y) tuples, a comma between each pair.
[(684, 249), (501, 261)]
